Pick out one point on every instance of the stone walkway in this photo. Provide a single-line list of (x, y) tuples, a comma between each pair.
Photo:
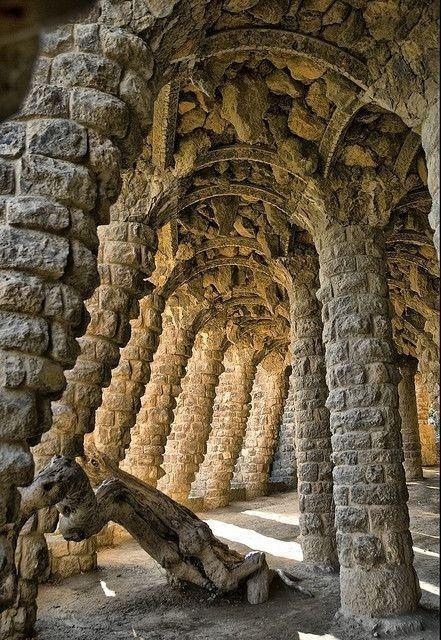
[(128, 596)]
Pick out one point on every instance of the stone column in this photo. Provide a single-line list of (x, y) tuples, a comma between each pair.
[(429, 449), (284, 465), (60, 170), (409, 419), (428, 355), (122, 399), (149, 437), (230, 415), (267, 398), (187, 441), (313, 437), (374, 543), (126, 256)]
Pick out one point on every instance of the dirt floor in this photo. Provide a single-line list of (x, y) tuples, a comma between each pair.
[(139, 603)]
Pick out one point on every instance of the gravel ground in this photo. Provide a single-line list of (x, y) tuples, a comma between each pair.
[(144, 607)]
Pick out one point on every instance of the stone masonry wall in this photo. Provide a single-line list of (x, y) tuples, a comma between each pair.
[(60, 171)]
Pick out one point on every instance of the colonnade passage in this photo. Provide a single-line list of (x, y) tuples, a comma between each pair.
[(219, 259)]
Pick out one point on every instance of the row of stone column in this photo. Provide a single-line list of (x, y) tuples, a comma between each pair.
[(344, 389)]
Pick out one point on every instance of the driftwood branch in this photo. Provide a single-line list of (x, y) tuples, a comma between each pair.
[(170, 533)]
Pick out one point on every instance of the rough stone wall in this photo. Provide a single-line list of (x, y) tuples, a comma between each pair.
[(186, 444), (230, 415), (261, 100), (252, 468), (313, 435)]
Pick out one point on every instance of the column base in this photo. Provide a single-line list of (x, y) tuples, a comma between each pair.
[(256, 491), (380, 592), (216, 502)]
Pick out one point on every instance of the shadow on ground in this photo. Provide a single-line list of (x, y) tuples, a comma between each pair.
[(140, 604)]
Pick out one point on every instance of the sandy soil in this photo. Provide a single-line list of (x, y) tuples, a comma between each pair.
[(144, 607)]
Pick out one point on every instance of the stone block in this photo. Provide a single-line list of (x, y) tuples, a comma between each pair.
[(7, 177), (69, 183), (57, 40), (83, 229), (86, 70), (12, 139), (21, 292), (367, 550), (87, 38), (99, 111), (23, 332), (18, 415), (82, 271), (128, 49), (33, 251), (38, 213), (16, 462), (57, 138), (46, 100)]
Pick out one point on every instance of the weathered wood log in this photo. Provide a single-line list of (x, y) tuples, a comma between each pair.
[(170, 533)]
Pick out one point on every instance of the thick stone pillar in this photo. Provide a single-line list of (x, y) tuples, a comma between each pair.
[(126, 257), (413, 465), (313, 436), (122, 399), (284, 465), (374, 543), (149, 437), (231, 410), (267, 398), (187, 441), (61, 162)]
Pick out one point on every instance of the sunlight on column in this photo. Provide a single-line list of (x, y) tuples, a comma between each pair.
[(256, 541), (270, 515)]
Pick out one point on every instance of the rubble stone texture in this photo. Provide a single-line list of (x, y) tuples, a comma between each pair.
[(409, 420), (267, 399), (228, 428), (186, 444), (173, 177), (145, 455), (370, 494), (284, 465), (313, 435)]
